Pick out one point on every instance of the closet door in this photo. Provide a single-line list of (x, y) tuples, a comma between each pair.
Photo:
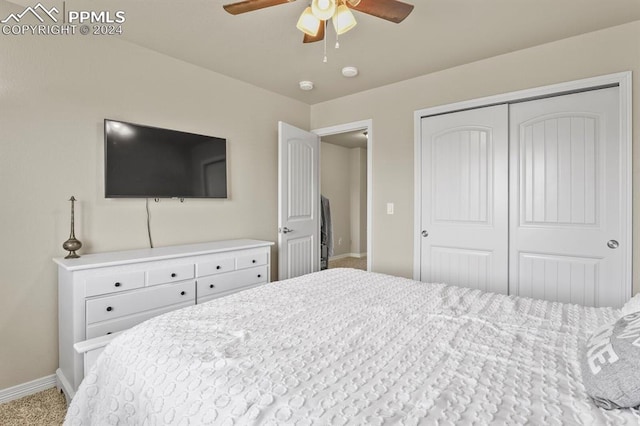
[(464, 216), (565, 199)]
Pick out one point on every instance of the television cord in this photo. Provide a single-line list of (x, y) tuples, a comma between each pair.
[(149, 224)]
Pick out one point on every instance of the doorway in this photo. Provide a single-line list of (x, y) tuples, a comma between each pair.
[(345, 171)]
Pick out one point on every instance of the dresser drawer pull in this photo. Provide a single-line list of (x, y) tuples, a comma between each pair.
[(259, 275), (117, 284), (173, 275), (108, 333), (211, 286), (182, 293), (109, 309), (253, 261), (218, 267)]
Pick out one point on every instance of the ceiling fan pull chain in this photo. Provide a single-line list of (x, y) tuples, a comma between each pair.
[(337, 35), (335, 16), (325, 42)]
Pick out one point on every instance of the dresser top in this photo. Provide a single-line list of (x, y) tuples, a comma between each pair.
[(98, 260)]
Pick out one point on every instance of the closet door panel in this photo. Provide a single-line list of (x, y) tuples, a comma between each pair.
[(464, 199), (565, 199), (558, 278)]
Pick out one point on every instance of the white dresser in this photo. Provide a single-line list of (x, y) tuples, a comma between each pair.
[(104, 293)]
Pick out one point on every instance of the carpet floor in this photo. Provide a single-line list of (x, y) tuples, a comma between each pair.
[(349, 262), (46, 408)]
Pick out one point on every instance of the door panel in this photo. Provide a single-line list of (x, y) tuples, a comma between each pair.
[(462, 267), (464, 201), (301, 252), (461, 190), (559, 170), (565, 199), (298, 198), (559, 278)]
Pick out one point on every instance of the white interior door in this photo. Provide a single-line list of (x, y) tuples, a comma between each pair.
[(465, 199), (566, 232), (298, 201)]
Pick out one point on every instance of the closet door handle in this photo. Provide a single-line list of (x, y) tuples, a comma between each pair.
[(425, 233), (285, 230)]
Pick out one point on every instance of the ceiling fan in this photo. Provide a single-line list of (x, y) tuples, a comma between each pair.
[(313, 20)]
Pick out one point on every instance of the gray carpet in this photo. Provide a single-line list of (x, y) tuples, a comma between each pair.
[(46, 408)]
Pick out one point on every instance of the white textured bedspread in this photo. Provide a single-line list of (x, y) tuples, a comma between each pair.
[(350, 347)]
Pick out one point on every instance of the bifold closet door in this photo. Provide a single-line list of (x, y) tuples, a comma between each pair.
[(464, 203), (565, 199)]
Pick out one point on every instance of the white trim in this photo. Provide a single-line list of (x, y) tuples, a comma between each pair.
[(617, 79), (626, 126), (350, 127), (622, 80), (344, 255), (417, 192), (26, 389)]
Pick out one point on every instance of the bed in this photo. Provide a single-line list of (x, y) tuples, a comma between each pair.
[(343, 346)]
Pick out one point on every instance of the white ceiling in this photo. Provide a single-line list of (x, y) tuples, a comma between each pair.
[(355, 139), (265, 49)]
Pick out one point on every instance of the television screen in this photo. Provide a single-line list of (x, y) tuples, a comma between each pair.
[(148, 162)]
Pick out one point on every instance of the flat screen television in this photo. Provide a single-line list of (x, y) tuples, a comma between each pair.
[(149, 162)]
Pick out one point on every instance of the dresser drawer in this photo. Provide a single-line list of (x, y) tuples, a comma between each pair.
[(171, 274), (110, 307), (103, 284), (216, 266), (224, 283), (108, 327), (251, 260)]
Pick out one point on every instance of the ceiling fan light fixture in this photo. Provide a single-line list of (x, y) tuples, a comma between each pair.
[(323, 9), (308, 23), (343, 20)]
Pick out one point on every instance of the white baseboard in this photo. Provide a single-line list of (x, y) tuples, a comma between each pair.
[(342, 256), (26, 389)]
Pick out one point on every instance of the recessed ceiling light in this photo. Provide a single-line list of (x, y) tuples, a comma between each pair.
[(349, 71), (306, 85)]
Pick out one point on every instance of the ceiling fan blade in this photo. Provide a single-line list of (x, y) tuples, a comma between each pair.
[(317, 37), (251, 5), (391, 10)]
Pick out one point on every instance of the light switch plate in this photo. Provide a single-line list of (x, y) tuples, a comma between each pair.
[(389, 208)]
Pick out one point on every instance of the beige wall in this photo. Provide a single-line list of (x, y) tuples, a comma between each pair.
[(54, 95), (343, 180), (358, 188), (391, 108), (334, 184)]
